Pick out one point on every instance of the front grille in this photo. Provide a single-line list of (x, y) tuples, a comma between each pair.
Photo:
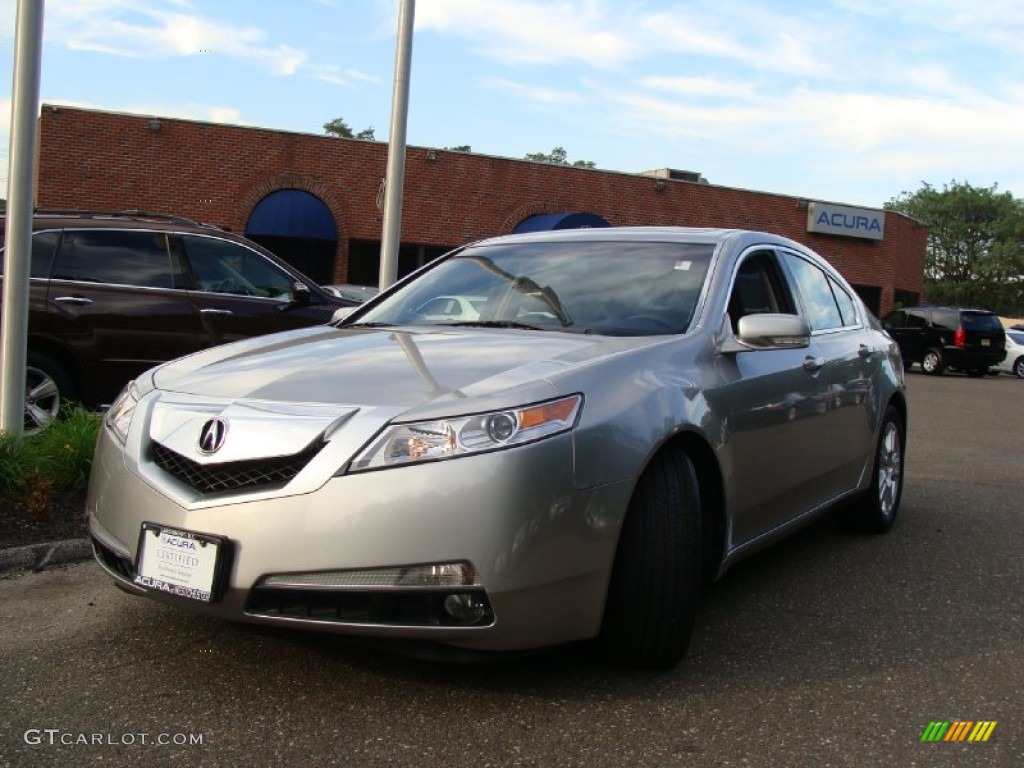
[(122, 566), (234, 475), (408, 608)]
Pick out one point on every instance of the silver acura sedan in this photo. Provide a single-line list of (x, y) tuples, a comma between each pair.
[(631, 411)]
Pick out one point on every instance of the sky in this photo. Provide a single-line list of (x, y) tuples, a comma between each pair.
[(847, 101)]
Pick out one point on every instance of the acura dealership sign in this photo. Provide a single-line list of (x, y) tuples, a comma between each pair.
[(829, 219)]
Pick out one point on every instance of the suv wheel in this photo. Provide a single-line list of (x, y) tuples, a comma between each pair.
[(47, 387), (932, 362)]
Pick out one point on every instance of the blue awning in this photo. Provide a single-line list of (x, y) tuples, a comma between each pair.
[(292, 213), (543, 222)]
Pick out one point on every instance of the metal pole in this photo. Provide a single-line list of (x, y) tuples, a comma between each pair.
[(395, 179), (28, 45)]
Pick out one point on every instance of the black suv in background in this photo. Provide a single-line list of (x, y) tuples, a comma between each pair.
[(113, 294), (957, 338)]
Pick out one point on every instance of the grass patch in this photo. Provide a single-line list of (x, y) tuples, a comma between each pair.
[(57, 459)]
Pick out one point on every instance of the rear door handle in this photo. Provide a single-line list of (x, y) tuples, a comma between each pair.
[(813, 364), (80, 301), (215, 312)]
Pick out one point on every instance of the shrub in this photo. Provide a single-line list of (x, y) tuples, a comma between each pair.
[(57, 459)]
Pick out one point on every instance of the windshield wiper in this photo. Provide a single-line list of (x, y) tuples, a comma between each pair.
[(495, 324), (342, 324)]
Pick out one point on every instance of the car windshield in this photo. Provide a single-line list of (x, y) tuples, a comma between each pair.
[(611, 288)]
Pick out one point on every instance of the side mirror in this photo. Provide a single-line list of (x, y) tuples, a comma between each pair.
[(301, 293), (769, 331)]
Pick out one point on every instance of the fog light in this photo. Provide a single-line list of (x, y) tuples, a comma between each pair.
[(466, 608)]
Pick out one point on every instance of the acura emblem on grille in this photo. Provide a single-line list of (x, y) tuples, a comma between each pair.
[(211, 436)]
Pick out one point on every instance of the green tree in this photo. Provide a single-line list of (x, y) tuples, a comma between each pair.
[(338, 127), (559, 156), (460, 148), (975, 252)]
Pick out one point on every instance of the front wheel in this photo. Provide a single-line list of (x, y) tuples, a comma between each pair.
[(875, 511), (47, 387), (652, 598)]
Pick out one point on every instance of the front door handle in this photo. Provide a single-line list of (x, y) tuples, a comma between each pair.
[(814, 364), (216, 312), (79, 301)]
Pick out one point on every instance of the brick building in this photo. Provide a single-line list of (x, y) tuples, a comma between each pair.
[(314, 199)]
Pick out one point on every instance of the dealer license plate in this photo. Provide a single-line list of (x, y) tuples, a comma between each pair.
[(178, 562)]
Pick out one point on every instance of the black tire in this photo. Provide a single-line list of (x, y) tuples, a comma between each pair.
[(1018, 367), (932, 363), (875, 511), (48, 386), (652, 598)]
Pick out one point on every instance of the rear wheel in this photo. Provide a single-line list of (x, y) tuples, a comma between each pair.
[(932, 362), (652, 599), (875, 511), (1018, 367), (47, 387)]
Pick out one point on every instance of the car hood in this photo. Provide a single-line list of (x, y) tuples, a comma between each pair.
[(395, 369)]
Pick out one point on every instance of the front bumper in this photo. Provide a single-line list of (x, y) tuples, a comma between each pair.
[(541, 548)]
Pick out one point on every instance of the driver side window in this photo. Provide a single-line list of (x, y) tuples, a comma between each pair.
[(221, 266), (758, 289)]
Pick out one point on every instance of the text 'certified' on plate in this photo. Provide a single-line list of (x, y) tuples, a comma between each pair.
[(178, 562)]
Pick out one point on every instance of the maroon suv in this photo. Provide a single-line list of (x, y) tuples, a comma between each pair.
[(113, 294)]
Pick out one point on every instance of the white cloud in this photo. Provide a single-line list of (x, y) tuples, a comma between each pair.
[(532, 93), (128, 29), (534, 32)]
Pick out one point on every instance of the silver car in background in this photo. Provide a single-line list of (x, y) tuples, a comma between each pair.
[(632, 411)]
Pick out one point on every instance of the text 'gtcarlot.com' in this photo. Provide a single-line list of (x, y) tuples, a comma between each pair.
[(57, 737)]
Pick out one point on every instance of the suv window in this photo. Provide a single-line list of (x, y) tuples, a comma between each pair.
[(813, 287), (946, 319), (126, 257), (897, 319), (981, 321), (221, 266), (917, 318), (44, 245)]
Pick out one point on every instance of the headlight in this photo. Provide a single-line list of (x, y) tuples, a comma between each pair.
[(119, 415), (420, 441)]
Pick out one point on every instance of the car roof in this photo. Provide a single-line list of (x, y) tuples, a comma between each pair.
[(707, 235), (132, 219)]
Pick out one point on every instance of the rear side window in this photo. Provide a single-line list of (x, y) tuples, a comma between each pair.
[(981, 321), (846, 306), (946, 319), (125, 257), (896, 319)]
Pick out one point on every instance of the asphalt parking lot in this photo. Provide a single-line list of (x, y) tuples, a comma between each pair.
[(832, 649)]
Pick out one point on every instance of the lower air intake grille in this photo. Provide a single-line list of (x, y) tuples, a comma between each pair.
[(235, 475)]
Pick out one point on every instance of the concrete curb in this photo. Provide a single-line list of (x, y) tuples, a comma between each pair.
[(38, 557)]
